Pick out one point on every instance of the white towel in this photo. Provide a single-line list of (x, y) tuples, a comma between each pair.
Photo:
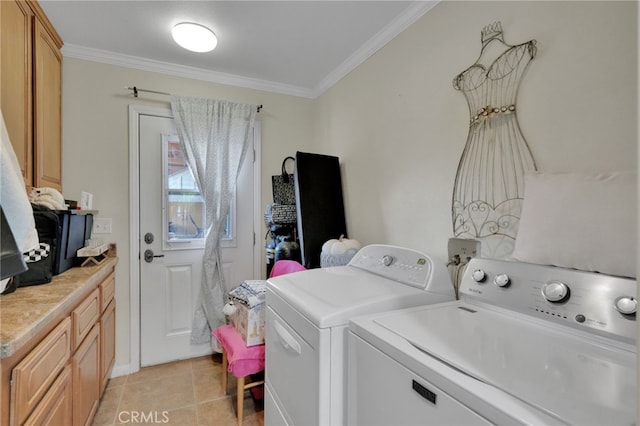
[(48, 197), (13, 196)]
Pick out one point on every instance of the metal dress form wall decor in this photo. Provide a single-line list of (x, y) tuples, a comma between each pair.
[(489, 184)]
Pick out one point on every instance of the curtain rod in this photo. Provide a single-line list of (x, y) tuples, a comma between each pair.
[(136, 90)]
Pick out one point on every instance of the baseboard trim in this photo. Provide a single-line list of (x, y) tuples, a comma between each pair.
[(122, 370)]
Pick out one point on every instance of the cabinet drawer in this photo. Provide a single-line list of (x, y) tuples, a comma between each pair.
[(56, 406), (84, 317), (33, 376), (107, 291)]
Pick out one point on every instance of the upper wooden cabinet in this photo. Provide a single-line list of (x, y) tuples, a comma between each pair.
[(16, 81), (47, 109), (31, 91)]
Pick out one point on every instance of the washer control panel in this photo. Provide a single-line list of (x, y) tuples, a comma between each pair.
[(404, 265), (602, 304)]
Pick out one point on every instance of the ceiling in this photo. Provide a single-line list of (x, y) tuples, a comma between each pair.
[(299, 48)]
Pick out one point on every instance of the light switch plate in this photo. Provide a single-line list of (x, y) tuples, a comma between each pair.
[(101, 225)]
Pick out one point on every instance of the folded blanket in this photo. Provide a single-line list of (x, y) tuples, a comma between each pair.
[(250, 292)]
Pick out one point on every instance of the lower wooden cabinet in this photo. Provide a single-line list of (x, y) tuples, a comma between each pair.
[(62, 377), (86, 378)]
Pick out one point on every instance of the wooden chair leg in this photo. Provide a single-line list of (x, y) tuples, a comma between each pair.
[(225, 366), (240, 392)]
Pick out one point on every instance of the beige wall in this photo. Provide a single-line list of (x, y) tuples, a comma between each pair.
[(399, 127), (96, 146), (396, 122)]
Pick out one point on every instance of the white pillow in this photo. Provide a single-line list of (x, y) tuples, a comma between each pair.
[(578, 220)]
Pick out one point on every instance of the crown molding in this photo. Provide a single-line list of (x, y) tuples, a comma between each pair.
[(144, 64), (402, 22), (377, 42)]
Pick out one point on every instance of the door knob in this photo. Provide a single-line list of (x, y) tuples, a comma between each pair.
[(148, 255)]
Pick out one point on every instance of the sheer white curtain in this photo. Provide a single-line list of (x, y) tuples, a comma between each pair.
[(215, 138)]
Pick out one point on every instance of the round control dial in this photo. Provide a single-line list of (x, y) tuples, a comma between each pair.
[(555, 291), (478, 275), (502, 280), (626, 305), (387, 260)]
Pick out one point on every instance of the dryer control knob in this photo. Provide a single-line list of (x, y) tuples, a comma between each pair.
[(555, 291), (502, 280), (478, 275), (626, 305), (387, 260)]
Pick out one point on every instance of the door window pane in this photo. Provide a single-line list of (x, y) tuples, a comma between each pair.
[(185, 208), (186, 216)]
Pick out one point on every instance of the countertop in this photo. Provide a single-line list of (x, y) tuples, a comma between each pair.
[(28, 310)]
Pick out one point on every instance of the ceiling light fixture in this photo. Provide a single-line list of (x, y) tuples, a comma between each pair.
[(194, 37)]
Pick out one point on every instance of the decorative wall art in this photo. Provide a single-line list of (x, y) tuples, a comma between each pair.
[(489, 184)]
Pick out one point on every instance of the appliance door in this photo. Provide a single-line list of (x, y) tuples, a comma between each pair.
[(293, 368), (273, 416), (383, 392), (570, 377)]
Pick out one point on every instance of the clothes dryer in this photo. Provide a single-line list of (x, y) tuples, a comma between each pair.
[(307, 320)]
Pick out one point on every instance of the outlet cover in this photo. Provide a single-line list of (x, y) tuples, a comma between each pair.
[(465, 248), (101, 225)]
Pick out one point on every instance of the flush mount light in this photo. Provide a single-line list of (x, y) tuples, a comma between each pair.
[(194, 37)]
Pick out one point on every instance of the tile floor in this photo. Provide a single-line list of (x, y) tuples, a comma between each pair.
[(184, 393)]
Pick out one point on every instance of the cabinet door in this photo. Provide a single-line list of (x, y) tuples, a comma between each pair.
[(86, 378), (107, 343), (56, 406), (15, 80), (47, 110)]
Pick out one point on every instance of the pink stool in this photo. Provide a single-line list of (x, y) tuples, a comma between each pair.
[(239, 360)]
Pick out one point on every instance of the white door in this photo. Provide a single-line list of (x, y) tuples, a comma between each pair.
[(171, 242)]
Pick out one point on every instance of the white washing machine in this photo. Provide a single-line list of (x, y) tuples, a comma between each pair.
[(307, 321), (525, 344)]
